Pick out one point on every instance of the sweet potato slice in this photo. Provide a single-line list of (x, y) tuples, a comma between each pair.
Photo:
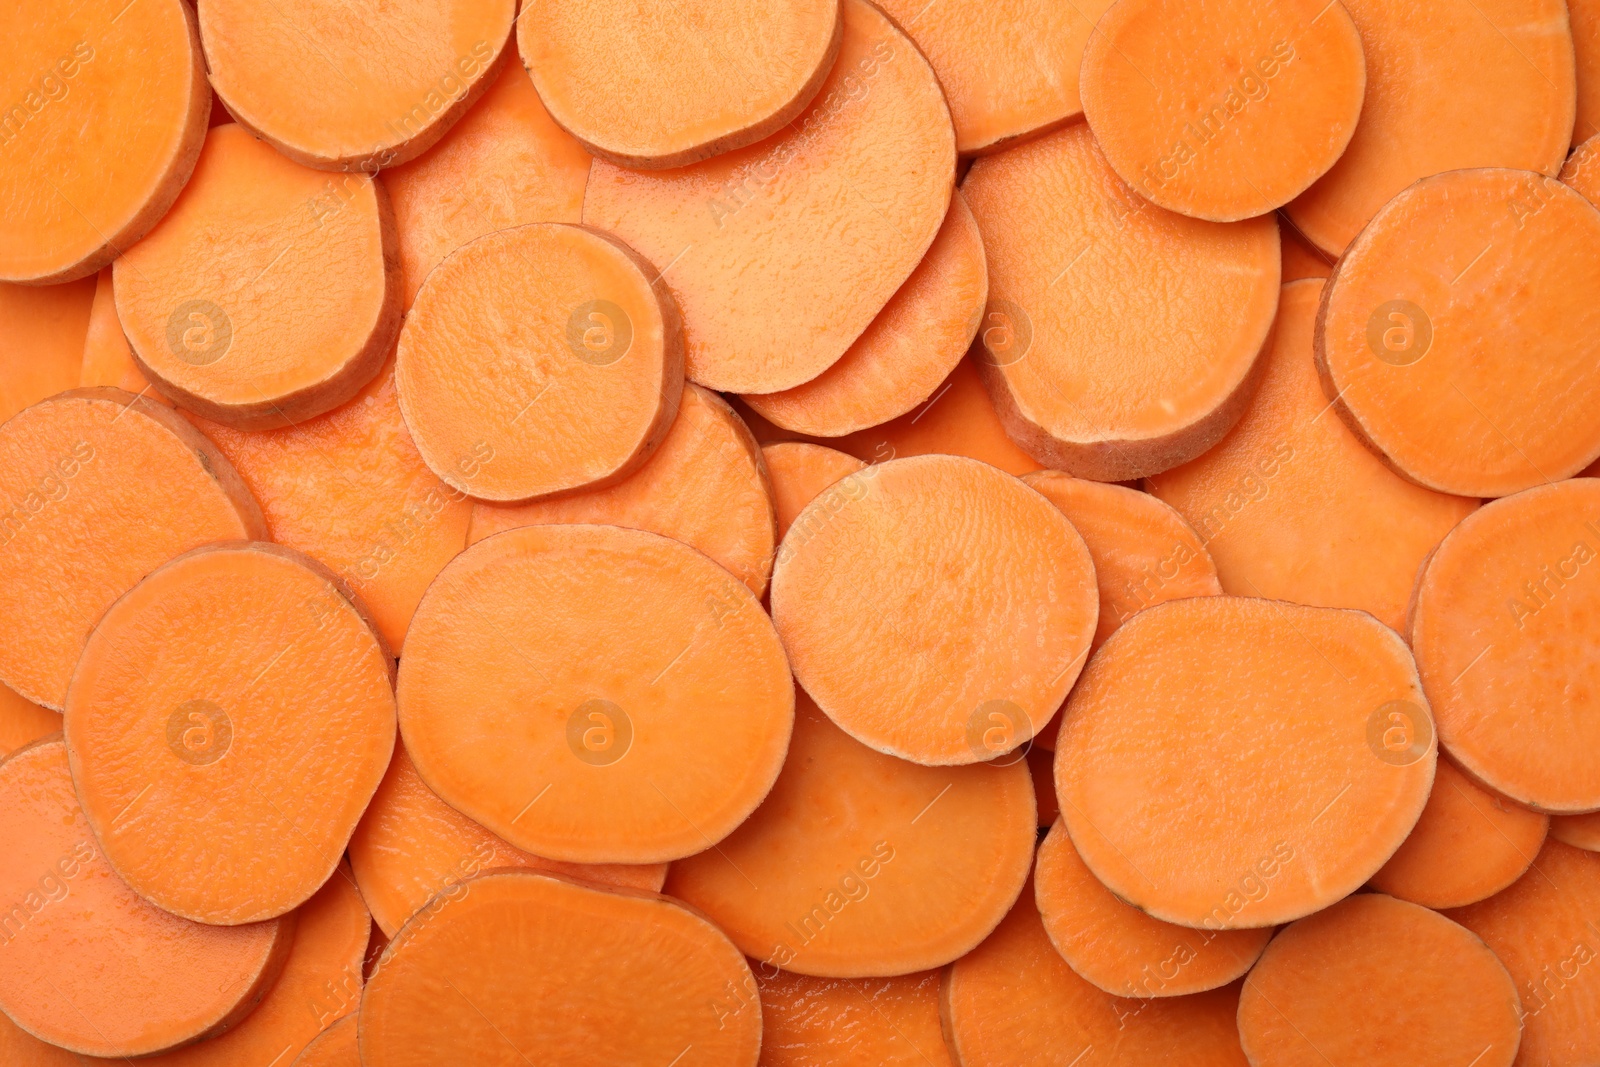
[(105, 487), (22, 721), (705, 485), (1121, 949), (495, 975), (1302, 807), (334, 1047), (107, 358), (1579, 831), (1257, 103), (863, 592), (1416, 350), (1468, 844), (87, 964), (231, 714), (907, 352), (1116, 390), (352, 88), (410, 845), (801, 472), (835, 874), (1292, 506), (1582, 170), (106, 109), (1503, 628), (1585, 18), (1499, 95), (1301, 259), (845, 1022), (538, 360), (269, 293), (595, 694), (1443, 996), (506, 163), (665, 87), (1014, 1002), (18, 1048), (42, 330), (771, 294)]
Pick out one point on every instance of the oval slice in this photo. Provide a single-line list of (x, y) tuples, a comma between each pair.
[(231, 714), (334, 1047), (860, 864), (767, 305), (270, 292), (537, 360), (828, 1022), (43, 329), (1309, 726), (801, 472), (940, 612), (1114, 387), (595, 694), (522, 947)]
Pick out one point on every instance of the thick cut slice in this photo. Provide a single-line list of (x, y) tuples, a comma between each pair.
[(42, 330), (100, 488), (1308, 726), (334, 1047), (782, 253), (939, 612), (228, 722), (270, 293), (538, 360), (107, 357), (801, 472), (107, 105), (1121, 338), (595, 694), (22, 721), (1416, 350), (861, 864), (524, 967), (845, 1022)]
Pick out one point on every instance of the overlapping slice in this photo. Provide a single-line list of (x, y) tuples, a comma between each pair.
[(334, 1047), (107, 358), (42, 329), (22, 721), (1582, 170), (800, 472), (1585, 19), (843, 1022)]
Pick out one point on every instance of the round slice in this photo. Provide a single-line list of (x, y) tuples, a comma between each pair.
[(1507, 644), (87, 964), (1120, 338), (44, 328), (1308, 726), (862, 864), (354, 87), (537, 360), (706, 485), (22, 721), (939, 612), (1442, 996), (1416, 349), (507, 963), (767, 305), (334, 1047), (270, 293), (648, 86), (1468, 844), (1121, 949), (103, 488), (106, 109), (801, 472), (912, 346), (595, 694), (231, 714), (1256, 104), (18, 1048), (829, 1022)]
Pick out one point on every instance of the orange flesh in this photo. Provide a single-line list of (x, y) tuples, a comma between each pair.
[(1430, 371), (1293, 507), (539, 360), (269, 293), (1301, 259), (228, 722), (910, 348), (22, 721), (1585, 16), (1041, 765), (107, 357), (18, 1048), (800, 473), (42, 333), (657, 87), (767, 306), (521, 967), (107, 974), (1428, 990), (112, 105), (1503, 628), (1579, 831), (1300, 809), (866, 865), (706, 485), (104, 488), (410, 845), (334, 1047), (843, 1022), (1582, 170), (1120, 338), (864, 590), (544, 655)]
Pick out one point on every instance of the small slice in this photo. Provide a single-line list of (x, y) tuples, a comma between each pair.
[(1120, 387), (107, 357), (538, 360), (22, 721), (270, 292), (844, 1022), (497, 976), (334, 1047), (231, 714), (801, 472), (42, 330)]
